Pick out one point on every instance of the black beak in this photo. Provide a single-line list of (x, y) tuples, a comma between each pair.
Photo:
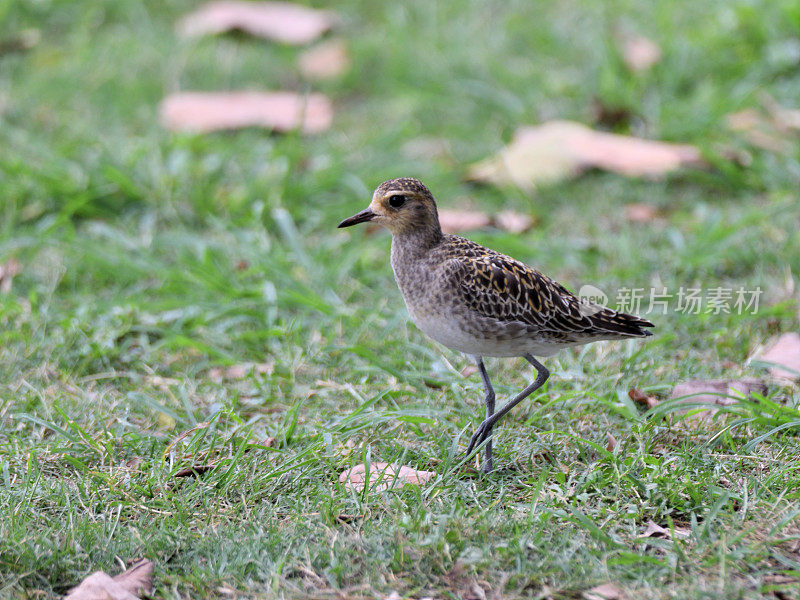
[(362, 217)]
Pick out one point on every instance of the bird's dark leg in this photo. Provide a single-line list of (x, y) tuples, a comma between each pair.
[(489, 401), (485, 429)]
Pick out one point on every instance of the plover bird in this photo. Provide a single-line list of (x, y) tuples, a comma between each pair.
[(480, 302)]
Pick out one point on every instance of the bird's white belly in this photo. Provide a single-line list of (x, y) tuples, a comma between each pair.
[(449, 332)]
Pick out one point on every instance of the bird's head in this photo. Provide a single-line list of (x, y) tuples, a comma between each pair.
[(402, 205)]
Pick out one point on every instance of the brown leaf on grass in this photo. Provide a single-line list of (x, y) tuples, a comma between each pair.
[(240, 371), (202, 112), (784, 352), (8, 270), (455, 221), (193, 471), (513, 222), (605, 591), (640, 212), (131, 584), (717, 391), (759, 130), (639, 52), (469, 370), (639, 397), (278, 21), (383, 476), (326, 60), (557, 150), (611, 442), (655, 530), (714, 392)]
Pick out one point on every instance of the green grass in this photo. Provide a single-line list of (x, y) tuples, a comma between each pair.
[(150, 258)]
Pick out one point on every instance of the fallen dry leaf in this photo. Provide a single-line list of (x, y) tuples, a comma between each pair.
[(193, 471), (605, 591), (714, 392), (240, 371), (326, 60), (640, 212), (128, 585), (201, 112), (785, 351), (513, 222), (383, 476), (774, 128), (611, 442), (278, 21), (557, 150), (642, 398), (639, 52), (717, 391), (657, 531), (469, 370), (8, 270), (453, 221)]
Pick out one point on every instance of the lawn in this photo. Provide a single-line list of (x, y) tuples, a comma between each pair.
[(151, 263)]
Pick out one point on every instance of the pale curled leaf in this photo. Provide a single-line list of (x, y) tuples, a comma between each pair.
[(326, 60), (640, 212), (605, 591), (714, 393), (654, 530), (557, 150), (202, 112), (642, 398), (383, 476), (129, 585), (721, 392), (784, 352), (640, 53), (240, 371), (8, 270), (455, 221), (278, 21)]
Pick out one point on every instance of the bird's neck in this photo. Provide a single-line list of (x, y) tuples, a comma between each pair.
[(415, 243)]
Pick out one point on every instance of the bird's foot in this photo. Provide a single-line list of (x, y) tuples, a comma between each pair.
[(483, 431)]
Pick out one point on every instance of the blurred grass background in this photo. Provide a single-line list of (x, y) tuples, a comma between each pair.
[(149, 257)]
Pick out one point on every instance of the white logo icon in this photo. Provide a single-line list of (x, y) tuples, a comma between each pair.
[(592, 300)]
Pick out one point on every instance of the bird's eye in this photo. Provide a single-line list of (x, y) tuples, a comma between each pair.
[(397, 201)]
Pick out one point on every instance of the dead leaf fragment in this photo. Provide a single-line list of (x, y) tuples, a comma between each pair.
[(784, 352), (469, 370), (605, 591), (640, 53), (513, 222), (202, 112), (8, 270), (611, 442), (642, 398), (383, 476), (194, 470), (453, 221), (557, 150), (640, 212), (326, 60), (129, 585), (717, 391), (278, 21), (240, 371), (655, 530)]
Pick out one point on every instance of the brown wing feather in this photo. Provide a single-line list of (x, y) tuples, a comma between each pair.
[(499, 287)]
